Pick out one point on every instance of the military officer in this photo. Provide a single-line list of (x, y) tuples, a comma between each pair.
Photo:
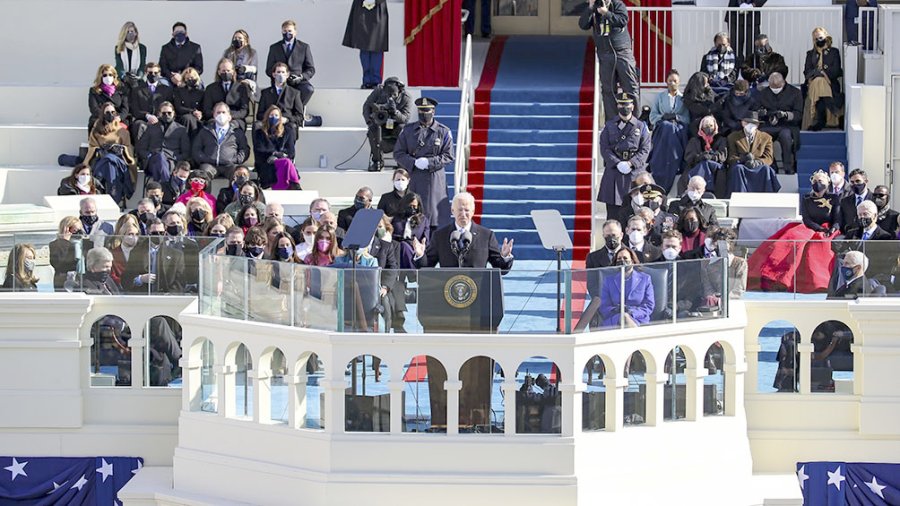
[(625, 147), (423, 149)]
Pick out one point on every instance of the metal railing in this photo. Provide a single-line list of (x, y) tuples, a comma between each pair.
[(464, 134)]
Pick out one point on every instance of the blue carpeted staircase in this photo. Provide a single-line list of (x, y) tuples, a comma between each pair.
[(817, 151)]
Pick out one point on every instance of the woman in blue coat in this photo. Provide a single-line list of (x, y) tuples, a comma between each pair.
[(670, 119), (639, 300)]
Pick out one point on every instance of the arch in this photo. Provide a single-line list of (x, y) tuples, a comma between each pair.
[(538, 400), (110, 363), (424, 396), (638, 365), (593, 399), (778, 359), (308, 372), (831, 363), (675, 389), (367, 404), (239, 358), (162, 352), (481, 398), (714, 382)]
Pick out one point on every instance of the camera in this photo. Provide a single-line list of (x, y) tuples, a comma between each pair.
[(383, 112)]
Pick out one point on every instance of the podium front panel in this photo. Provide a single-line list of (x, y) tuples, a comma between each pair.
[(460, 300)]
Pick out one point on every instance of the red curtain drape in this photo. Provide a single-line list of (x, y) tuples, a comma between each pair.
[(432, 34)]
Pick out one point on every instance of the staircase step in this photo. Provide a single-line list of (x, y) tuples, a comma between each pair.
[(512, 149), (555, 122), (827, 138), (518, 221), (528, 192), (523, 135), (565, 206), (539, 108), (529, 95), (515, 164)]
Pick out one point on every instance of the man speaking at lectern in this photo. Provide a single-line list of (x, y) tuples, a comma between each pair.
[(463, 243)]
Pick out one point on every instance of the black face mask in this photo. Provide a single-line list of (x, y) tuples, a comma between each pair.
[(156, 238), (245, 200), (232, 250), (691, 227), (426, 117), (858, 188), (226, 77), (88, 220), (865, 222), (359, 203), (236, 43), (192, 83), (152, 78), (198, 215), (145, 217), (254, 251), (625, 112), (173, 230), (239, 181), (109, 117), (821, 42), (722, 48), (166, 118), (156, 199), (98, 277), (761, 50), (612, 242), (652, 204), (819, 186)]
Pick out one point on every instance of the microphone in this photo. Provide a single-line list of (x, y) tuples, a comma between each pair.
[(465, 241), (454, 242)]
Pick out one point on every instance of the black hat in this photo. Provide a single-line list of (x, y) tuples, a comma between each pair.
[(752, 117), (426, 103), (624, 98), (651, 191)]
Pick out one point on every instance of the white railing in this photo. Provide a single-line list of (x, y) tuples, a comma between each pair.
[(596, 161), (464, 133), (678, 37), (869, 31)]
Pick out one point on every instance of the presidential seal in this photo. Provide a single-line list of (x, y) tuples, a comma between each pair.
[(460, 291)]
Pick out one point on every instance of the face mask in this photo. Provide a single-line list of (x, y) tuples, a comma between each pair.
[(232, 249), (309, 238), (380, 232), (198, 215), (222, 119), (821, 42), (84, 179), (818, 186), (287, 36), (693, 195), (626, 263), (708, 242), (192, 83), (762, 49), (156, 200), (401, 185), (29, 265), (721, 48), (251, 221), (670, 254), (283, 253), (750, 128), (245, 199), (130, 36), (708, 130), (776, 90), (691, 227), (145, 217), (236, 43), (226, 77), (612, 242), (653, 205), (636, 237), (108, 80), (881, 201), (673, 86), (411, 211), (156, 238), (865, 222), (254, 251), (166, 118), (99, 277), (426, 117), (152, 78), (220, 235), (130, 240), (274, 120), (625, 112), (359, 203), (638, 199), (858, 188), (180, 37), (109, 117), (88, 220), (847, 272), (239, 181), (836, 179), (174, 230), (323, 245), (280, 78), (197, 186), (316, 215)]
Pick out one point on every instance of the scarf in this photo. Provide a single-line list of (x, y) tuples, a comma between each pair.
[(108, 89), (707, 139), (131, 57)]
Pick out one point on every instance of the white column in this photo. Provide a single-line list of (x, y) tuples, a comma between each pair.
[(452, 388), (751, 378), (734, 387), (262, 396), (296, 400), (655, 397), (509, 410), (137, 345), (396, 388), (615, 402), (570, 409), (192, 382), (334, 406), (693, 402), (806, 350), (225, 380)]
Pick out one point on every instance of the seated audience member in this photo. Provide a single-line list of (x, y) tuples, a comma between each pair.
[(96, 279), (691, 293), (179, 54), (363, 259), (80, 182), (297, 56), (781, 106), (198, 183), (693, 232), (693, 198), (658, 220), (838, 185), (638, 240), (67, 250), (763, 62), (671, 245), (307, 237), (224, 90), (248, 195), (154, 266), (274, 210), (720, 64), (244, 59), (850, 281), (177, 184), (700, 99), (153, 190), (625, 147), (866, 227), (750, 160), (20, 266), (176, 226), (318, 207), (200, 215), (163, 144), (188, 102), (362, 200), (219, 226), (106, 89), (634, 199), (229, 193), (272, 227), (638, 294), (824, 100), (670, 119), (247, 217), (110, 143), (705, 157), (737, 268), (859, 192), (282, 96), (122, 244), (91, 224), (799, 256), (234, 241), (131, 54), (612, 242), (286, 175), (144, 211), (887, 217), (221, 145), (272, 141), (283, 249), (255, 243), (325, 250), (737, 105), (144, 99)]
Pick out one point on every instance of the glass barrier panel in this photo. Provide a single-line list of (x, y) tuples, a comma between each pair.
[(278, 388), (593, 399), (367, 400), (779, 358), (424, 397), (596, 297), (538, 400), (529, 301), (317, 296), (459, 300), (269, 287)]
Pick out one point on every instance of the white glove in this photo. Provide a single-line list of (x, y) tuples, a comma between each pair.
[(623, 167), (422, 163)]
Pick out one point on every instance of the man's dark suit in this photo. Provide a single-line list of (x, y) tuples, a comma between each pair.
[(288, 101), (299, 62), (172, 141), (388, 255), (484, 250), (237, 99), (848, 290), (143, 102), (888, 221), (848, 211), (169, 270), (345, 217), (650, 253)]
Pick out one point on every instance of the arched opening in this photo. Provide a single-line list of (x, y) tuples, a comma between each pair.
[(367, 405), (675, 391), (635, 395), (209, 387), (593, 399), (538, 401), (243, 387), (278, 389), (110, 352), (778, 359), (424, 395), (831, 364), (309, 370), (481, 399), (714, 381), (162, 352)]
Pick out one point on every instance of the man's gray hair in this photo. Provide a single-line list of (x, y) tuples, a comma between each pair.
[(97, 256)]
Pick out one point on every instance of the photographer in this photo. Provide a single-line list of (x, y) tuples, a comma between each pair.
[(608, 20), (386, 112)]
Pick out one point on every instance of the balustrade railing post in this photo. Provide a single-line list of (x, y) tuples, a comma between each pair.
[(509, 415), (396, 388), (615, 402), (452, 388)]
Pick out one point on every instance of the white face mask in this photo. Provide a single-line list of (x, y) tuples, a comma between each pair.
[(776, 90), (670, 254), (638, 199), (836, 179), (309, 238), (84, 179), (108, 80), (694, 195), (750, 128), (401, 184), (130, 240), (222, 119), (635, 237)]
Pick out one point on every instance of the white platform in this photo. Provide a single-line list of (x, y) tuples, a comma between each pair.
[(764, 205)]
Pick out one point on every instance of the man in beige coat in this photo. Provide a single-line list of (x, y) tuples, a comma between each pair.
[(750, 159)]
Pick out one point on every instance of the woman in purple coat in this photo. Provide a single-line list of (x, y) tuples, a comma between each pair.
[(639, 300)]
